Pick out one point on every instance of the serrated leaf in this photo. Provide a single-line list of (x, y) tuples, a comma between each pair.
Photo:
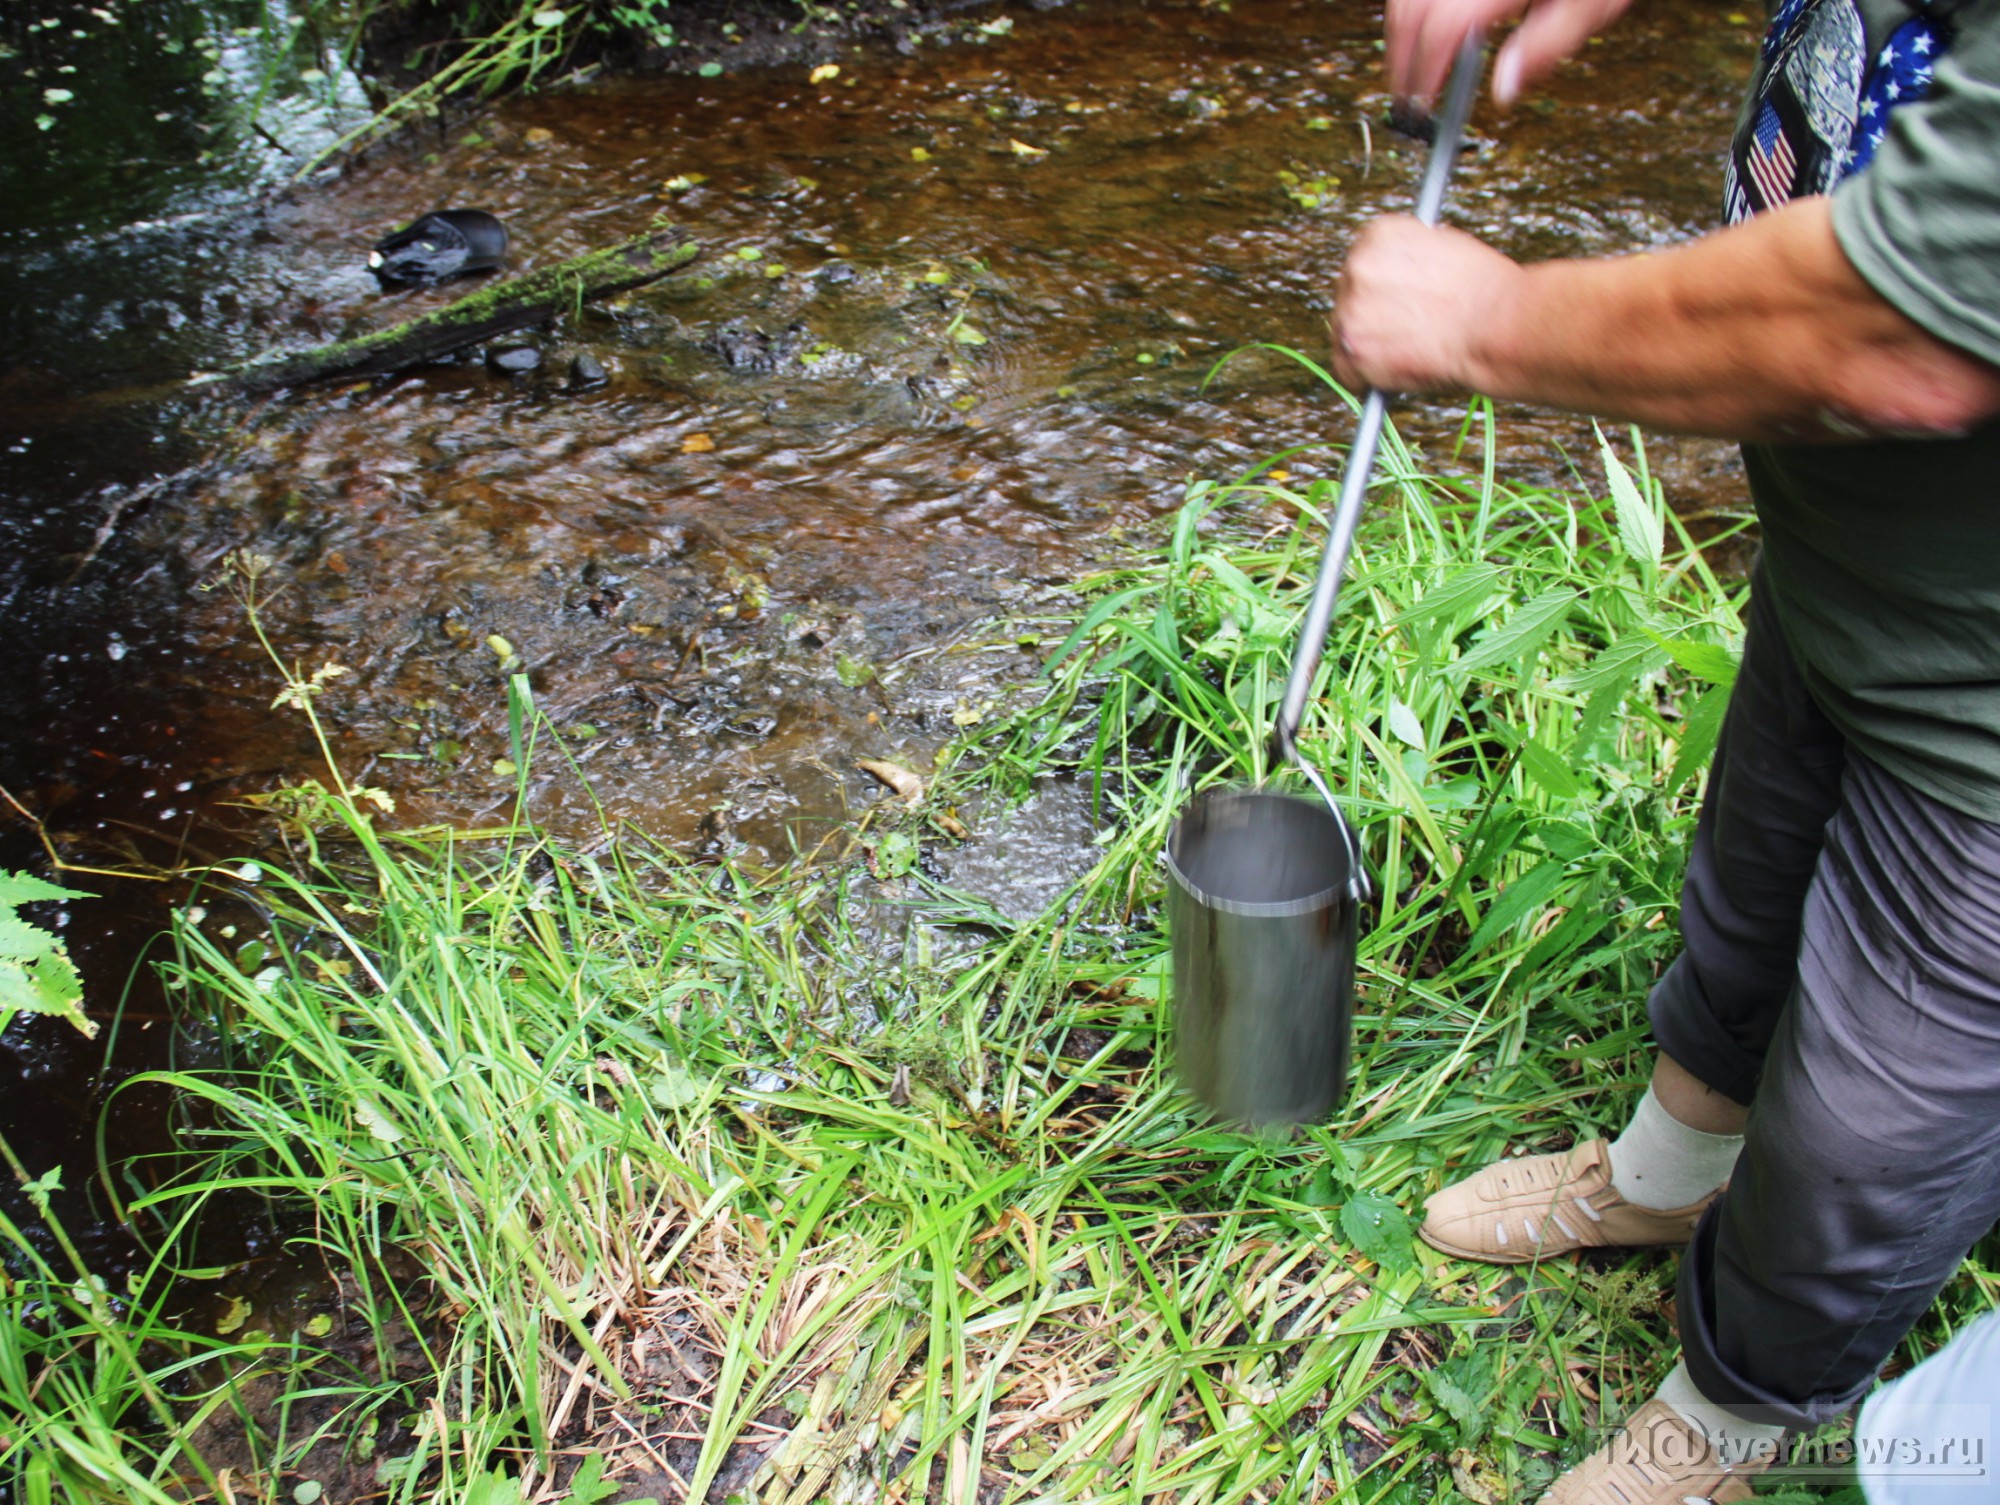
[(1378, 1229), (20, 941), (46, 984), (1641, 529), (26, 888), (495, 1488), (1523, 633), (1517, 901), (1463, 591), (1698, 735), (1463, 1388), (1705, 661), (1323, 1189), (1548, 770), (587, 1486)]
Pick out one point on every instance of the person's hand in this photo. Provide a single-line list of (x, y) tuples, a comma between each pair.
[(1424, 36), (1412, 304)]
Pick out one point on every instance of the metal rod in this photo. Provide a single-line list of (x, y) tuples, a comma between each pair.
[(1368, 432)]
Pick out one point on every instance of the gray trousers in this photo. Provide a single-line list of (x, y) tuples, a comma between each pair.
[(1841, 974)]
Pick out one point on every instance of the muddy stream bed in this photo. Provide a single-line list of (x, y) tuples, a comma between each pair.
[(943, 352)]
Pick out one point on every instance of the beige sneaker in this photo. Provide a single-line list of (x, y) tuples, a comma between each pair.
[(1656, 1459), (1517, 1211)]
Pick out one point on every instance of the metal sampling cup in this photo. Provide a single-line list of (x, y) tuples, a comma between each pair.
[(1267, 888), (1263, 908)]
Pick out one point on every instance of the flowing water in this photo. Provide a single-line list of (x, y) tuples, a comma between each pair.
[(946, 347)]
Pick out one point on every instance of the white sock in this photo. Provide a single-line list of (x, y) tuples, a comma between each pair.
[(1735, 1440), (1659, 1162)]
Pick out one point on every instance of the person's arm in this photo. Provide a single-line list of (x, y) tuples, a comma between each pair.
[(1764, 331)]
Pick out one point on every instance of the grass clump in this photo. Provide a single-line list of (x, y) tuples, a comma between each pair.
[(672, 1174)]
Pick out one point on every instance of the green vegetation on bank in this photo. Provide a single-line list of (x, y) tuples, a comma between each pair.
[(834, 1181)]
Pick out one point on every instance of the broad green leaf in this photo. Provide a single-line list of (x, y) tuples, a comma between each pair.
[(587, 1485), (1705, 661), (1464, 591), (495, 1488), (1548, 770), (1378, 1229), (36, 974), (1641, 529), (1517, 901), (1404, 725), (675, 1087), (1617, 667), (26, 888), (1462, 1387), (1698, 735), (1522, 633)]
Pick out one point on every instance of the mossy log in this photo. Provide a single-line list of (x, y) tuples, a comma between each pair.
[(493, 310)]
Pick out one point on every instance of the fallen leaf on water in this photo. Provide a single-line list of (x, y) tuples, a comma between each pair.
[(897, 777), (233, 1317), (954, 827), (1022, 149), (697, 444), (319, 1326), (918, 154), (500, 646), (824, 72), (537, 135)]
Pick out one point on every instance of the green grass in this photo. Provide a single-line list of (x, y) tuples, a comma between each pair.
[(685, 1167)]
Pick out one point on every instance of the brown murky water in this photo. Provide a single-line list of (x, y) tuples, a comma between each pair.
[(948, 338)]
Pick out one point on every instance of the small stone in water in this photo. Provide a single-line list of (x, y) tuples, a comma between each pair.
[(586, 370), (515, 360)]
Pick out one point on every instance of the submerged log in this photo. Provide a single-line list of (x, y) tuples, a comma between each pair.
[(495, 310)]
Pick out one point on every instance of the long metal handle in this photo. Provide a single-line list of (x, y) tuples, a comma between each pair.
[(1368, 432)]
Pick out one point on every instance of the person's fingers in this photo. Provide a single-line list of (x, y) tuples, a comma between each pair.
[(1423, 38), (1552, 30)]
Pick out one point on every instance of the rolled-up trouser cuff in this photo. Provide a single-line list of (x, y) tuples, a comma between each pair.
[(1695, 1315), (1687, 1027)]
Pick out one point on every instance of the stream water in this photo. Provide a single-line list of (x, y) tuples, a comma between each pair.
[(945, 347)]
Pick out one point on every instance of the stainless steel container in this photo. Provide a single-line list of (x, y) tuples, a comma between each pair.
[(1263, 908), (1267, 889)]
